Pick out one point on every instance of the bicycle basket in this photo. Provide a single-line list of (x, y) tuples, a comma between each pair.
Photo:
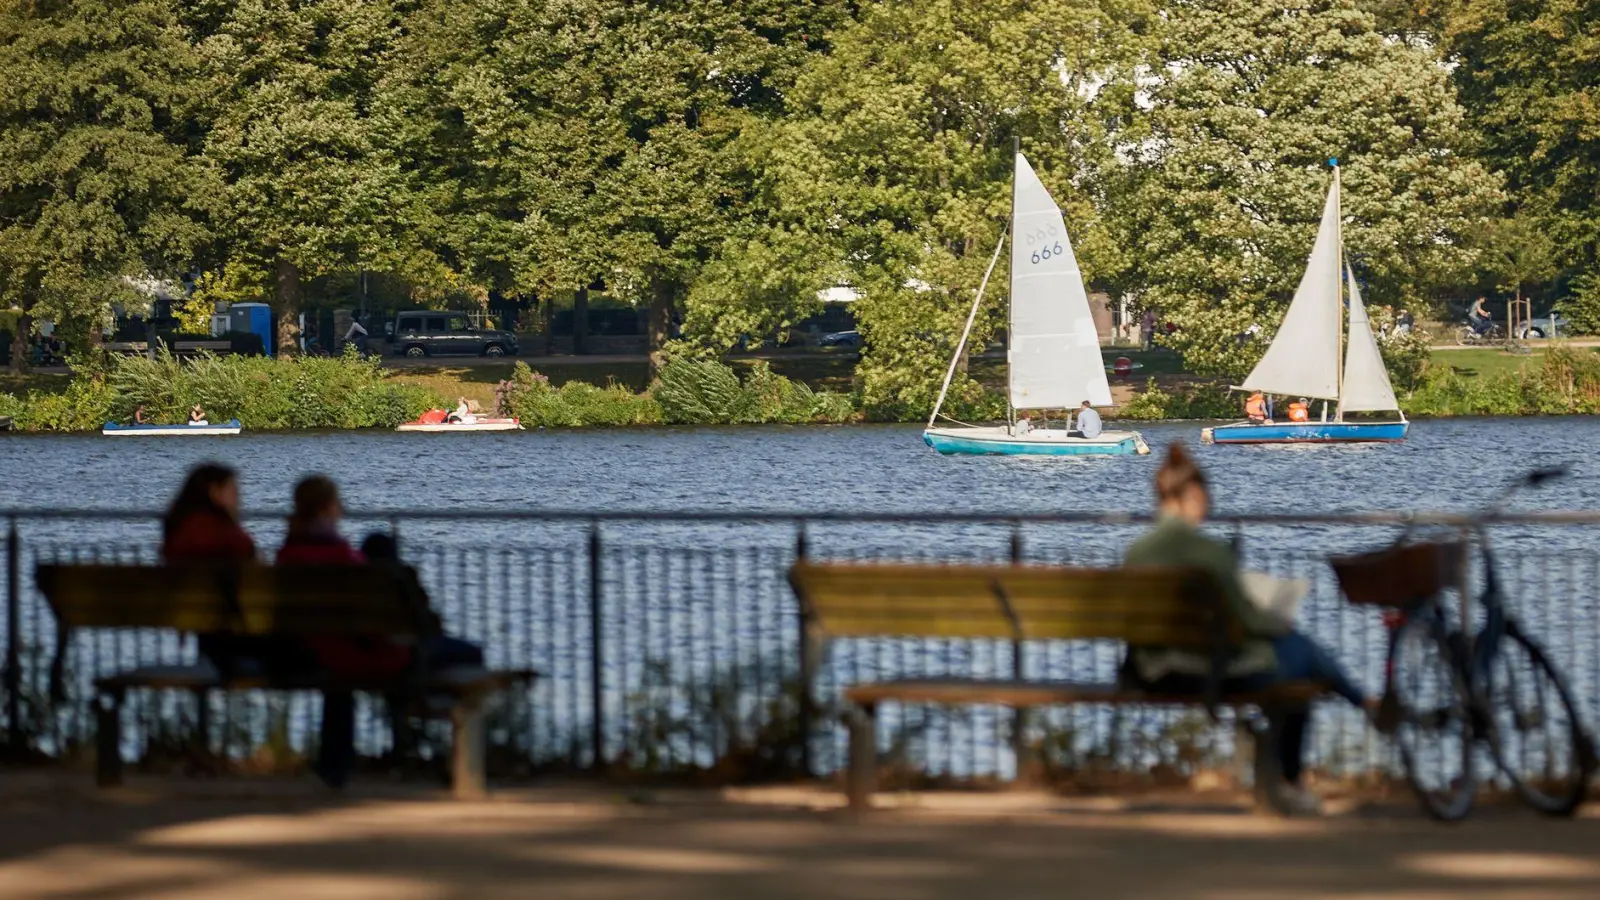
[(1400, 576)]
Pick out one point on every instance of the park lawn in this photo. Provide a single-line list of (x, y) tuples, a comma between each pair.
[(1483, 362), (52, 383)]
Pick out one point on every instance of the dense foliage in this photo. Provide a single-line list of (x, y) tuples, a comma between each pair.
[(717, 162), (262, 393)]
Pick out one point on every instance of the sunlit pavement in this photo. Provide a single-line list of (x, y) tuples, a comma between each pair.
[(284, 838)]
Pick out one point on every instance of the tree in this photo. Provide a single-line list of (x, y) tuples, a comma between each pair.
[(595, 139), (311, 188), (1518, 252), (1528, 74), (895, 175), (101, 183), (1245, 104)]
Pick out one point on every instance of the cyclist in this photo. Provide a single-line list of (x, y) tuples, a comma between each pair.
[(1478, 317)]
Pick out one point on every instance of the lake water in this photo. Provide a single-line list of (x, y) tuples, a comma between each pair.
[(688, 604)]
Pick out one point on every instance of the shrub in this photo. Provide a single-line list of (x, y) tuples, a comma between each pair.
[(1582, 309), (575, 404), (1192, 401), (706, 392)]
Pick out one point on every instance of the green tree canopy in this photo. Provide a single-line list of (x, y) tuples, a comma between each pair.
[(1244, 105), (894, 175), (100, 182)]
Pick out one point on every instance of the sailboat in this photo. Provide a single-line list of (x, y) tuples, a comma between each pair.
[(1304, 357), (1053, 361)]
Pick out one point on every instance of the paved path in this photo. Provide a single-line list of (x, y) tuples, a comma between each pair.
[(260, 839)]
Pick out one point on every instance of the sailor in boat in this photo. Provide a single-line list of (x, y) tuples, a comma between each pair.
[(1088, 423), (1300, 410), (1255, 409), (197, 416), (1022, 427), (463, 413), (138, 415)]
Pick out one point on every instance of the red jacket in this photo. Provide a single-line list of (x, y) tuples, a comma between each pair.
[(345, 656), (208, 535)]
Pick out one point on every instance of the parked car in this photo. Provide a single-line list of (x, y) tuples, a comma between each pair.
[(840, 339), (1540, 327), (430, 333)]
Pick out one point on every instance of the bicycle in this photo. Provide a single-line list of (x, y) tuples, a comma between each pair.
[(1470, 336), (1496, 686)]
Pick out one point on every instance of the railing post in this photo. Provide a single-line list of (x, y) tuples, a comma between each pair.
[(1019, 722), (805, 711), (597, 732), (13, 660)]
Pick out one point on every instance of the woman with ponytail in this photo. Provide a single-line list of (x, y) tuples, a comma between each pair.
[(1273, 651)]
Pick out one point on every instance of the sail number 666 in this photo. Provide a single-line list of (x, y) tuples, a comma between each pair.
[(1044, 254)]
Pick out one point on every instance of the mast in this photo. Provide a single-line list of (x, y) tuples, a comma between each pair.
[(1338, 308), (1011, 279)]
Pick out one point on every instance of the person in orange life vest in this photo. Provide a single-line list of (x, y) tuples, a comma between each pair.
[(1300, 411), (1255, 408)]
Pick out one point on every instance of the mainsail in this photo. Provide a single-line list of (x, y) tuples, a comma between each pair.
[(1055, 357), (1366, 381), (1303, 360)]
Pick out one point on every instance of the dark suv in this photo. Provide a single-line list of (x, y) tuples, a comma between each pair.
[(429, 333)]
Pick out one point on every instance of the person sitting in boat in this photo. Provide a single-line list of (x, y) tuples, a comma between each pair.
[(1255, 408), (197, 416), (1022, 427), (1300, 410), (463, 413), (138, 415), (1088, 423)]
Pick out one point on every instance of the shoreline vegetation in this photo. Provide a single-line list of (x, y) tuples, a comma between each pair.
[(348, 392)]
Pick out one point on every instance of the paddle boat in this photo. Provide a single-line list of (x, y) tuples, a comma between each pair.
[(437, 421), (198, 429)]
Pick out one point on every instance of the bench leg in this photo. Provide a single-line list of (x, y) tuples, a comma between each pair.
[(108, 739), (468, 779), (861, 779)]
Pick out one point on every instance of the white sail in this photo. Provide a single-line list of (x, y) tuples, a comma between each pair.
[(1366, 381), (1055, 357), (1303, 360)]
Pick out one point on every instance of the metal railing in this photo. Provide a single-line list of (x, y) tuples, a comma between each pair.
[(671, 643)]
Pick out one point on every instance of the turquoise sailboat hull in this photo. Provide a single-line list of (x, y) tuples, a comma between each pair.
[(999, 441), (1306, 433)]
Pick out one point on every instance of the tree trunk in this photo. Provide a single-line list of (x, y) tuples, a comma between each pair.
[(547, 309), (659, 329), (287, 297), (580, 321), (19, 344)]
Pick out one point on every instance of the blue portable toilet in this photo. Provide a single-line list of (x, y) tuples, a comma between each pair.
[(254, 318)]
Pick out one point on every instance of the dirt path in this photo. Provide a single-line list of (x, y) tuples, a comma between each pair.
[(269, 839)]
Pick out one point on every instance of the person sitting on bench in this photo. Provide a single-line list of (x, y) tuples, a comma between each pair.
[(201, 526), (1273, 653)]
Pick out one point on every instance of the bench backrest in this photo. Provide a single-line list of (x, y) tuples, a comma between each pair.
[(1143, 606), (249, 599)]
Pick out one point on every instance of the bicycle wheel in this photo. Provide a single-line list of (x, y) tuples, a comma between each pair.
[(1466, 336), (1434, 732), (1534, 730)]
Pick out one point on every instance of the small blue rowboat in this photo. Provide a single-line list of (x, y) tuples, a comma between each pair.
[(229, 427), (1306, 433), (999, 441)]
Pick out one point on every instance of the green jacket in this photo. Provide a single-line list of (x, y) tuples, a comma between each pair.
[(1174, 542)]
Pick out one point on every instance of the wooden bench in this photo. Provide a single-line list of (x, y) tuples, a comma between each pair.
[(295, 601), (1138, 606)]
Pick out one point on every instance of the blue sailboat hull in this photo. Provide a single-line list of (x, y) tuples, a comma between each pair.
[(1307, 433), (999, 442)]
